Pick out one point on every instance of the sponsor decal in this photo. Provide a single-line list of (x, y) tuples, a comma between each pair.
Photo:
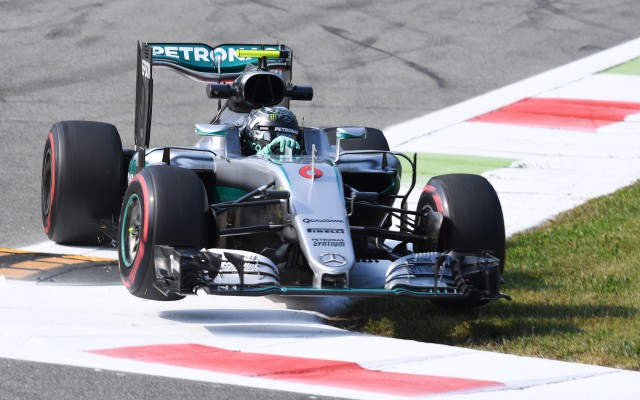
[(198, 53), (333, 260), (187, 53), (146, 69), (285, 130), (325, 230), (204, 58), (310, 220), (328, 242), (305, 172)]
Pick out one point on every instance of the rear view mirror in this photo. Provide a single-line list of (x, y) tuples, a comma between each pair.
[(349, 133), (211, 130)]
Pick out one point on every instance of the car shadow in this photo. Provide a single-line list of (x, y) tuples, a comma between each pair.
[(257, 323)]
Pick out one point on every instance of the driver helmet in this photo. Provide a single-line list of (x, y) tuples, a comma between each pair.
[(267, 123)]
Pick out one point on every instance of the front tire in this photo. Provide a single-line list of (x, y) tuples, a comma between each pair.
[(473, 218), (82, 172), (163, 205)]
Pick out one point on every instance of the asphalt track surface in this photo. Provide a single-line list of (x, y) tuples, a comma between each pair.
[(370, 64)]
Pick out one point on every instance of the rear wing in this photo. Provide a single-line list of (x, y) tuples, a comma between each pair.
[(198, 61), (214, 64)]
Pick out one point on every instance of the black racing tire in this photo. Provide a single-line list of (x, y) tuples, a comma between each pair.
[(82, 171), (473, 218), (163, 205), (375, 140)]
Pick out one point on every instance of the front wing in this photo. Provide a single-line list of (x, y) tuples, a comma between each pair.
[(450, 275)]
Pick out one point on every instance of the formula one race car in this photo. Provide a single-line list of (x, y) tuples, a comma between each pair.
[(320, 216)]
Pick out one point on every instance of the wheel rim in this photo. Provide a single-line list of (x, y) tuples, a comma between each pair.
[(131, 230), (46, 182)]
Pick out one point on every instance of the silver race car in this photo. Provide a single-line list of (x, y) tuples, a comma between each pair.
[(326, 216)]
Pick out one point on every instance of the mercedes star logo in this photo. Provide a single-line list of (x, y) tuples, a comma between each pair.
[(333, 260), (284, 117)]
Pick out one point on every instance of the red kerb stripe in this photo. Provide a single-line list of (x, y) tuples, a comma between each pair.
[(331, 373), (573, 114)]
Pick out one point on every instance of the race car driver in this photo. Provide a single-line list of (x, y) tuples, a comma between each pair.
[(271, 130)]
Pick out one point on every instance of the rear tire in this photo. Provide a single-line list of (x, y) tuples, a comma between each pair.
[(82, 171), (473, 218), (163, 206)]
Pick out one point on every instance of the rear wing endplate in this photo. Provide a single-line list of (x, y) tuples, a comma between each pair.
[(144, 100)]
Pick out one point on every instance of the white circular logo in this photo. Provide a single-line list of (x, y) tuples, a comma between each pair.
[(333, 260)]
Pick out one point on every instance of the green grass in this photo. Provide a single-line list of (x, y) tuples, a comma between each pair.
[(430, 165), (575, 284), (629, 68)]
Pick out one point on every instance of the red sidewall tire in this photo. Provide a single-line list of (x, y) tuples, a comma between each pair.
[(137, 195), (48, 187), (82, 172), (162, 206)]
